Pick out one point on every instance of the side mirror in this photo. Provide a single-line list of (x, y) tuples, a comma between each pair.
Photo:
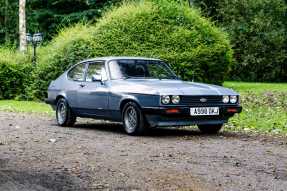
[(97, 78)]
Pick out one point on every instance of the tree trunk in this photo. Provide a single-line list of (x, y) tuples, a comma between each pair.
[(6, 21), (22, 26)]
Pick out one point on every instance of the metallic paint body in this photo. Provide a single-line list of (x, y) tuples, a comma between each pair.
[(103, 100)]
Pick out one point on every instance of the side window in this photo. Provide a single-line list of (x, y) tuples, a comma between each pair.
[(97, 68), (77, 73)]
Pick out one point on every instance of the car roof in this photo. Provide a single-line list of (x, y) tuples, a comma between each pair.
[(119, 58)]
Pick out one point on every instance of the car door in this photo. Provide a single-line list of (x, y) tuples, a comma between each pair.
[(76, 76), (93, 92)]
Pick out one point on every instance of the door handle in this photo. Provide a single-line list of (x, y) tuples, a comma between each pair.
[(82, 85)]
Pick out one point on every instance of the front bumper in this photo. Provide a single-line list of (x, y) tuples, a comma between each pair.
[(159, 116), (51, 102)]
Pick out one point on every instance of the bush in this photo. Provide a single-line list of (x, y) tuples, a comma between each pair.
[(163, 29), (14, 74), (258, 34), (170, 31), (69, 47)]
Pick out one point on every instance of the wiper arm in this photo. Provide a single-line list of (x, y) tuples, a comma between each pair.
[(126, 77)]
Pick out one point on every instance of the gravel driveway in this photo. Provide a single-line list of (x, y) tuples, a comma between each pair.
[(35, 154)]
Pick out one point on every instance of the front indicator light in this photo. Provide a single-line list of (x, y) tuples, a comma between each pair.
[(232, 110), (165, 99), (175, 99), (233, 99), (225, 99), (172, 111)]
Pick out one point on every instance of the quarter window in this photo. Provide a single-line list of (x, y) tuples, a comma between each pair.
[(77, 73), (97, 68)]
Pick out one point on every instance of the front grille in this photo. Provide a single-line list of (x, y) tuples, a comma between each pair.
[(194, 100)]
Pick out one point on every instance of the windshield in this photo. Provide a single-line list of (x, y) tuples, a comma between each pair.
[(140, 69)]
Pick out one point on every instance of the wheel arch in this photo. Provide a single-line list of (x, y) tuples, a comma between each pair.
[(59, 97), (126, 100)]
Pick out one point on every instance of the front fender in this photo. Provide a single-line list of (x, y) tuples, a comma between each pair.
[(126, 98), (143, 100)]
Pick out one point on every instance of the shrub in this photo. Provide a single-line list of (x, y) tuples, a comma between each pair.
[(258, 35), (164, 29), (14, 74), (69, 47), (167, 30)]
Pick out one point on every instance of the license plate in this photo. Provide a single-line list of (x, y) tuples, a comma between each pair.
[(199, 111)]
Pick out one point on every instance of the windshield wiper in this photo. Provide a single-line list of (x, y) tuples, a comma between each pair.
[(126, 77)]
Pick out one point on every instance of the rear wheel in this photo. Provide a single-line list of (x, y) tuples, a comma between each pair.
[(210, 129), (133, 119), (64, 115)]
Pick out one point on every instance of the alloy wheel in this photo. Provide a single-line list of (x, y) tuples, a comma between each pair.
[(131, 119), (61, 113)]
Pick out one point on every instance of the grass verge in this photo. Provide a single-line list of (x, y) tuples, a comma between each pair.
[(246, 87), (25, 106), (264, 107)]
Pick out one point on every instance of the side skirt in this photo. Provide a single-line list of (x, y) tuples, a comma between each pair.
[(111, 115)]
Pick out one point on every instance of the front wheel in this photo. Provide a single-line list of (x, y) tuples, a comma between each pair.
[(133, 119), (64, 115), (210, 129)]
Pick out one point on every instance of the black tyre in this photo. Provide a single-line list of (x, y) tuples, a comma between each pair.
[(133, 120), (64, 115), (210, 129)]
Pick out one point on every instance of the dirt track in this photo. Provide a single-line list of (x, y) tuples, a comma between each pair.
[(99, 156)]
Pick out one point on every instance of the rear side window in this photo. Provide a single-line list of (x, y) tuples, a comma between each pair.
[(77, 73)]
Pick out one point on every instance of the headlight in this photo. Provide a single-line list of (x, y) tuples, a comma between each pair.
[(175, 99), (233, 99), (165, 99), (225, 99)]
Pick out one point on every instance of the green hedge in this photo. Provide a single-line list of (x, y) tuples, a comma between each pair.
[(258, 30), (161, 28), (14, 74)]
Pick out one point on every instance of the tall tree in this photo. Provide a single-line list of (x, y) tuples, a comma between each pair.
[(9, 22), (22, 25), (47, 16)]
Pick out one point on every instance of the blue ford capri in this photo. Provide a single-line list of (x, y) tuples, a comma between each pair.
[(140, 93)]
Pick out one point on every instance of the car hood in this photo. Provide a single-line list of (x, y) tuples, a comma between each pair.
[(169, 87)]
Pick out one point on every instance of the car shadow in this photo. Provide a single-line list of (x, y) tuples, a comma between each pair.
[(101, 126), (117, 128)]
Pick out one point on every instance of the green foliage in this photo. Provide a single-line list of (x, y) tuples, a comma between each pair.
[(258, 31), (162, 29), (167, 30), (14, 74), (49, 16)]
